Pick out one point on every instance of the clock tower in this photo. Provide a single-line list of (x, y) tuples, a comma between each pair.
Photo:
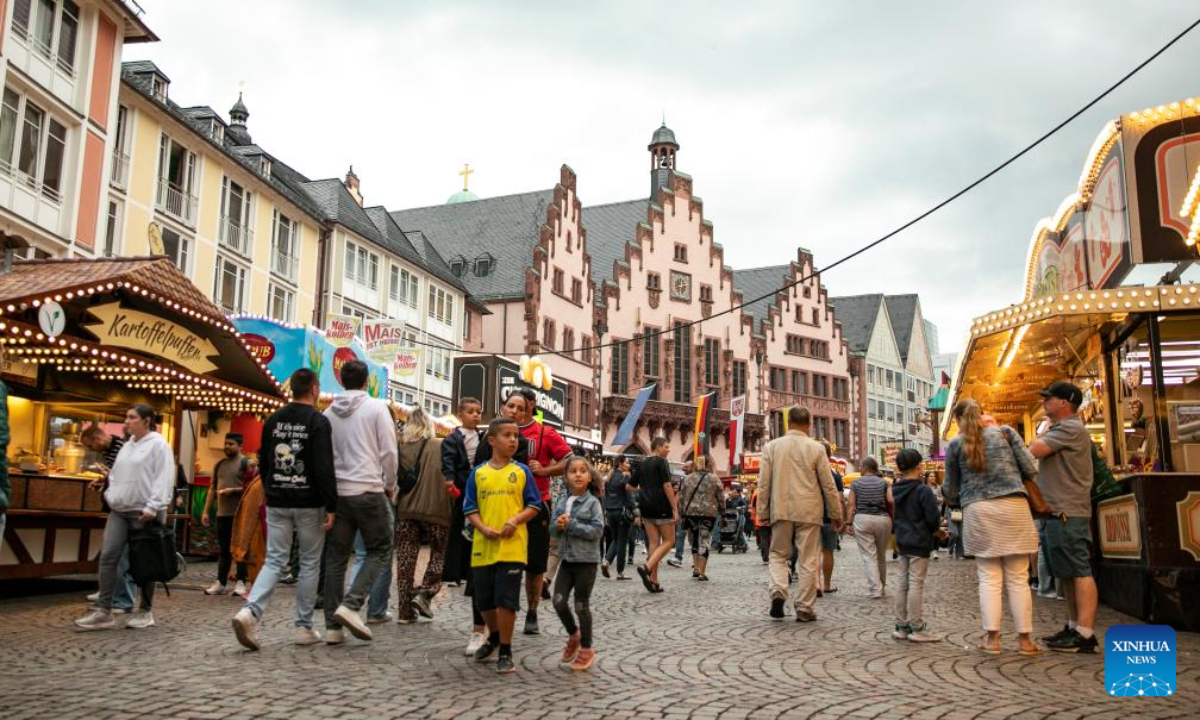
[(662, 149)]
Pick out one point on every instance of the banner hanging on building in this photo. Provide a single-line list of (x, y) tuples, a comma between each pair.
[(737, 424), (407, 365), (700, 442), (625, 432), (382, 339), (340, 330)]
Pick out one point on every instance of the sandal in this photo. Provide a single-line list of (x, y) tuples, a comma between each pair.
[(702, 577), (831, 590), (655, 587), (644, 573), (987, 649), (1034, 652)]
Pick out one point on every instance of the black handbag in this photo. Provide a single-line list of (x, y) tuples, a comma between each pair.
[(152, 556)]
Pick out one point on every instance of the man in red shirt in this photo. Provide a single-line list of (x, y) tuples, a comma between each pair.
[(548, 454)]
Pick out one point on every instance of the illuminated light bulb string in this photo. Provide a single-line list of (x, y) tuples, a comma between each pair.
[(968, 188)]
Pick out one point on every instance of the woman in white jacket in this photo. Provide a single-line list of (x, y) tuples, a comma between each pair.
[(141, 484)]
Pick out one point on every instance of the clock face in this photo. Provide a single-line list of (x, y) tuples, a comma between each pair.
[(681, 286)]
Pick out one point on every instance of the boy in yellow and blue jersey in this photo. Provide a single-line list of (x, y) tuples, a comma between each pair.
[(500, 497)]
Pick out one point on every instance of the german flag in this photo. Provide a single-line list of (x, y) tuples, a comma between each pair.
[(700, 442)]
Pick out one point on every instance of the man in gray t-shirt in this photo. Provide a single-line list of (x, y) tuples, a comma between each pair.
[(1064, 452)]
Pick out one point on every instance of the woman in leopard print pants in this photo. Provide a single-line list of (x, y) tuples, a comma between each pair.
[(427, 506)]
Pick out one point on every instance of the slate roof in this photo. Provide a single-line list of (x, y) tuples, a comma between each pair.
[(135, 76), (505, 227), (406, 249), (609, 228), (902, 309), (857, 314), (756, 282)]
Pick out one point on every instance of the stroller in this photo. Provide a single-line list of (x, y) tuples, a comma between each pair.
[(731, 531)]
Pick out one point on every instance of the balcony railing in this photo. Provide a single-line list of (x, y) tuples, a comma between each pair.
[(120, 170), (283, 265), (236, 237), (779, 399), (175, 201)]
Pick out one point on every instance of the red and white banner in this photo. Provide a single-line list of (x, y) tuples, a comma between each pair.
[(737, 423)]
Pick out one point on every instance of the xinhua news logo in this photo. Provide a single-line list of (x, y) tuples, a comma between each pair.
[(1139, 660)]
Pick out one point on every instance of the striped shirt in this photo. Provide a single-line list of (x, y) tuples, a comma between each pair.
[(870, 495)]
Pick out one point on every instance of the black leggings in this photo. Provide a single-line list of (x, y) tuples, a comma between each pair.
[(580, 577), (225, 540), (619, 547)]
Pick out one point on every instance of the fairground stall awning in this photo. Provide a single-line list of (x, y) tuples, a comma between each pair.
[(1015, 352), (128, 323)]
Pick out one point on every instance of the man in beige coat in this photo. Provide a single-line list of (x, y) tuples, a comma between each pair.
[(795, 489)]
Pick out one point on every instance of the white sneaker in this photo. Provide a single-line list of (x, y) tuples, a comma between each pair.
[(141, 619), (96, 620), (240, 589), (334, 637), (215, 589), (94, 596), (477, 641), (384, 618), (245, 626), (306, 636), (352, 621)]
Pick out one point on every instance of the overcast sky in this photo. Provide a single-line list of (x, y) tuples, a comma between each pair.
[(819, 125)]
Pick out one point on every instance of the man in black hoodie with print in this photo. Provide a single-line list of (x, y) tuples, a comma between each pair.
[(296, 465)]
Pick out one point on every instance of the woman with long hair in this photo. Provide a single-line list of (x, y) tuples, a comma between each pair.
[(427, 506), (985, 466), (141, 485)]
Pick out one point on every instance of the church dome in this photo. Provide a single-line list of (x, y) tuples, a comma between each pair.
[(461, 196), (664, 136)]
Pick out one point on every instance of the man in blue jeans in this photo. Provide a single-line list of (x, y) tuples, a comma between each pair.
[(365, 459), (296, 466)]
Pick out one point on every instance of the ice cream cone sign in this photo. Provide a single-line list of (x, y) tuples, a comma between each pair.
[(536, 373)]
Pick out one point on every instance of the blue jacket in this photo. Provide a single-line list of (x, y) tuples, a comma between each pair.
[(580, 542), (1008, 463), (916, 517)]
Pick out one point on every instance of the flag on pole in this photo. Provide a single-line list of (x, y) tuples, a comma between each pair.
[(625, 432), (737, 423), (700, 431)]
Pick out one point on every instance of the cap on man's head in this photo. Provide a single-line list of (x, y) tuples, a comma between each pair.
[(236, 437), (1064, 391)]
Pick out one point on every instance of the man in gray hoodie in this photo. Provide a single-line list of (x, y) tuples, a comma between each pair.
[(364, 461)]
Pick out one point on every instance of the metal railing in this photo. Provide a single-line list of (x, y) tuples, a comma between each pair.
[(283, 265), (120, 170), (174, 201), (234, 236)]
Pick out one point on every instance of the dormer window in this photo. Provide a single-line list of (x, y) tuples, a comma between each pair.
[(457, 266), (158, 87), (217, 131), (484, 264), (264, 166)]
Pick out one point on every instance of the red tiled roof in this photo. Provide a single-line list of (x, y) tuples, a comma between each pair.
[(33, 278)]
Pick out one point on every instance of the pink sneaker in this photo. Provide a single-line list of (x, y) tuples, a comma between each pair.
[(571, 650), (584, 659)]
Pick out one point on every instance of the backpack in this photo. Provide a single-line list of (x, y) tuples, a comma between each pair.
[(152, 556), (406, 478)]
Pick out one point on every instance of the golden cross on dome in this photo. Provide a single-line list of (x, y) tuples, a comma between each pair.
[(466, 174)]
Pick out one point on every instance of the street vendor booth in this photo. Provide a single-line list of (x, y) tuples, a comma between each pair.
[(82, 341), (1134, 350)]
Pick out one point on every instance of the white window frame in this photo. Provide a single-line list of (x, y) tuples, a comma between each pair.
[(288, 296), (112, 227), (241, 276), (182, 257), (183, 204), (441, 305), (236, 233), (285, 245), (59, 10), (14, 112), (403, 286), (438, 365), (361, 266)]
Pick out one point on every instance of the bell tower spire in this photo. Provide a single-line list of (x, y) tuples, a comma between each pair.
[(663, 148)]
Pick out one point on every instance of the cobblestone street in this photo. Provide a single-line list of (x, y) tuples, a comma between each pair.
[(702, 650)]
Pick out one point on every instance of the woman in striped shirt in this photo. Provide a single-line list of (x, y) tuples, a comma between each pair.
[(870, 496)]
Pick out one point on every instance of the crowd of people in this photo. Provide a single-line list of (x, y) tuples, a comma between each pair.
[(348, 499)]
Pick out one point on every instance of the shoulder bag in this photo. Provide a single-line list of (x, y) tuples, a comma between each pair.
[(152, 555), (1033, 494)]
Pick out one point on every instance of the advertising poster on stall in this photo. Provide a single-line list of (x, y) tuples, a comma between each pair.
[(285, 349), (340, 330)]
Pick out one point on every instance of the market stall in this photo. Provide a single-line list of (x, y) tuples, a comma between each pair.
[(1134, 350), (81, 341)]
